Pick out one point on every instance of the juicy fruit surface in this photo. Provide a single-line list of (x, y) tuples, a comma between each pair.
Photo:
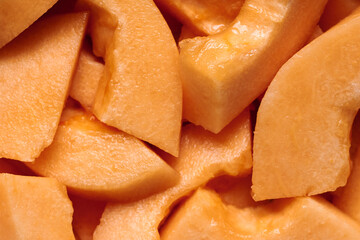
[(204, 216), (98, 161), (140, 92), (204, 16), (86, 79), (222, 74), (304, 120), (35, 72), (17, 15), (203, 156), (34, 208)]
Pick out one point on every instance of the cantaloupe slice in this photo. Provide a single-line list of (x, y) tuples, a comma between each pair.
[(348, 198), (86, 78), (203, 16), (204, 216), (203, 156), (17, 15), (234, 191), (186, 32), (101, 162), (316, 33), (301, 144), (222, 74), (140, 92), (86, 217), (335, 11), (35, 72), (34, 208)]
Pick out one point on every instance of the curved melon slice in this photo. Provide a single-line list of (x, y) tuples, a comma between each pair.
[(35, 72), (203, 156), (101, 162), (86, 78), (204, 216), (17, 15), (140, 92), (34, 208), (301, 144), (203, 16), (222, 74)]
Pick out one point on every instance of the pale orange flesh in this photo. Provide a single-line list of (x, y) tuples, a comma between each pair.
[(34, 208), (302, 134), (35, 72), (205, 17), (222, 74), (17, 15), (86, 78), (97, 161), (203, 156), (140, 92), (204, 216)]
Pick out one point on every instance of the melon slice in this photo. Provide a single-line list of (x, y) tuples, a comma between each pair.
[(17, 15), (101, 162), (203, 16), (203, 156), (222, 74), (86, 217), (204, 216), (301, 143), (35, 72), (347, 198), (140, 92), (34, 208), (86, 78), (335, 11)]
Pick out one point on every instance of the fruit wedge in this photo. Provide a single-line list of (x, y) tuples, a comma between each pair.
[(101, 162), (17, 15), (140, 92), (87, 77), (204, 216), (35, 72), (222, 74), (34, 208), (203, 156), (301, 143), (335, 11), (203, 16)]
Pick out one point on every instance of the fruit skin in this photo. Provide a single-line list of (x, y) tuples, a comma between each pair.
[(302, 133), (99, 162), (35, 72), (34, 208), (140, 92), (203, 156), (222, 74), (17, 15), (204, 216), (204, 17)]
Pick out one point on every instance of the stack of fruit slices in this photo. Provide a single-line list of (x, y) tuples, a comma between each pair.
[(175, 119)]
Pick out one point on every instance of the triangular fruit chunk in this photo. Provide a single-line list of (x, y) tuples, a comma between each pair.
[(140, 92), (97, 161), (203, 156), (34, 208), (205, 216), (17, 15), (35, 72), (86, 78), (224, 73), (302, 134)]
